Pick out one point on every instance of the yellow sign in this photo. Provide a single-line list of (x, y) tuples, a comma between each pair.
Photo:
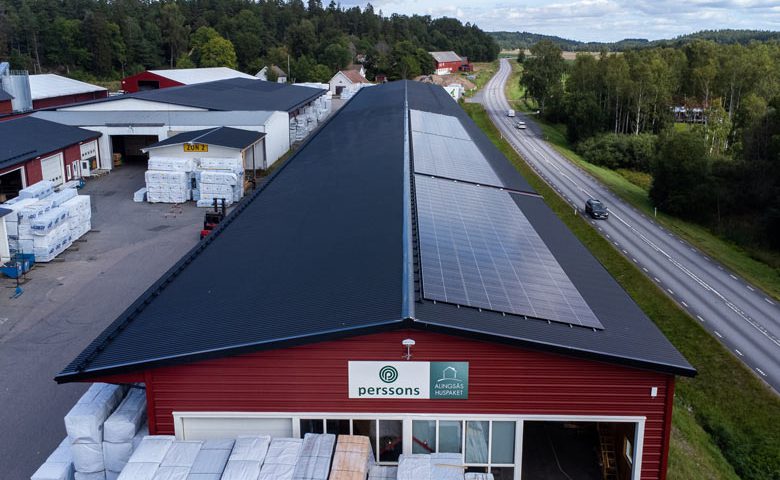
[(196, 147)]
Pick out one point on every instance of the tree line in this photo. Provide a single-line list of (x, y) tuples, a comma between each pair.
[(98, 39), (702, 119)]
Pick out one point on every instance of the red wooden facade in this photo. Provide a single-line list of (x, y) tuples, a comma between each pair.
[(131, 83), (451, 66), (33, 172), (68, 99), (6, 107), (503, 380)]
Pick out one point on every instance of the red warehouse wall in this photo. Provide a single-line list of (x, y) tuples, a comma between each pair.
[(502, 380), (130, 84), (451, 65), (68, 99), (6, 107)]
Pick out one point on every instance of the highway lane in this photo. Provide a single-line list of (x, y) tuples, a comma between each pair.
[(738, 314)]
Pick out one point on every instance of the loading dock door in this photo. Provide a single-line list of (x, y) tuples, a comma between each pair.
[(53, 169), (10, 184), (206, 427)]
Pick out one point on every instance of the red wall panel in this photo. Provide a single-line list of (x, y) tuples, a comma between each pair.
[(451, 65), (502, 380), (130, 84), (6, 107), (32, 168), (68, 99)]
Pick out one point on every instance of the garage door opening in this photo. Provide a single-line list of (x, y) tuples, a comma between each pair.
[(126, 149), (10, 184), (579, 450), (144, 85)]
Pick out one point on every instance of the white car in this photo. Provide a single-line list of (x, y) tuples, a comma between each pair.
[(520, 125)]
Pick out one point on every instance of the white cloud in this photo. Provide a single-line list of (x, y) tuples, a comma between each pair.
[(597, 20)]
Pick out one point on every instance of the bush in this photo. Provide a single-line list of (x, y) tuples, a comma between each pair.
[(632, 152)]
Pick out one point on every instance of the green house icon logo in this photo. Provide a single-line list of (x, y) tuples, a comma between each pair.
[(449, 373), (388, 374)]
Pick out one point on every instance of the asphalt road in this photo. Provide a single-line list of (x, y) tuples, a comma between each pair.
[(738, 314), (68, 302)]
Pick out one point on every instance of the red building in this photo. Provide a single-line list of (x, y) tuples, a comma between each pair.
[(5, 103), (32, 149), (155, 79), (354, 310), (447, 62), (49, 90)]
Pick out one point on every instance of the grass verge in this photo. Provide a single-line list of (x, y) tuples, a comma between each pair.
[(758, 267), (482, 73), (726, 419)]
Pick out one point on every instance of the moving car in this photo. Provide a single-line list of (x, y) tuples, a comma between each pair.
[(520, 125), (596, 209), (510, 113)]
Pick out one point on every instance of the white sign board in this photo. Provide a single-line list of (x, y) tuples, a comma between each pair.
[(405, 380)]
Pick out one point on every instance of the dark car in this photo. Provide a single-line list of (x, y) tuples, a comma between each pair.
[(596, 209)]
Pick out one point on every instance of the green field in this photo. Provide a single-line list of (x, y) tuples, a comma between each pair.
[(725, 424), (483, 73)]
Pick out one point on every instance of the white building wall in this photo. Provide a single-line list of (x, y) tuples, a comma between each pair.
[(338, 80), (5, 251), (133, 104), (277, 136)]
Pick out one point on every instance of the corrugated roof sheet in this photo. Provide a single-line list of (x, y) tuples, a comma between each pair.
[(25, 138), (191, 76), (446, 56), (221, 136), (231, 94), (48, 85), (176, 118), (324, 241)]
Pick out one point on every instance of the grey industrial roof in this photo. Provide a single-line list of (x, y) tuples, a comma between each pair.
[(5, 96), (220, 136), (230, 94), (328, 239), (25, 138), (179, 118), (446, 56), (49, 85)]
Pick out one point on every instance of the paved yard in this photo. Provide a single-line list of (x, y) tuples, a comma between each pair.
[(66, 303)]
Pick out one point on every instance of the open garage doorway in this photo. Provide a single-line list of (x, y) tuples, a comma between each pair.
[(126, 149), (578, 450), (10, 184)]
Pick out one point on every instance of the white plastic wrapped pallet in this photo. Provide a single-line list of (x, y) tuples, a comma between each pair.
[(125, 422), (211, 461), (447, 466), (116, 455), (41, 189), (281, 459), (414, 467), (101, 475), (139, 195), (182, 454), (478, 476), (220, 163), (139, 471), (84, 422), (152, 449), (379, 472), (314, 459), (58, 466), (171, 473), (88, 457), (171, 164)]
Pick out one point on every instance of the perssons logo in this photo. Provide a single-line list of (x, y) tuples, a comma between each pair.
[(388, 374)]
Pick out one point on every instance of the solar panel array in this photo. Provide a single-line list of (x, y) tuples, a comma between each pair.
[(478, 249), (438, 124)]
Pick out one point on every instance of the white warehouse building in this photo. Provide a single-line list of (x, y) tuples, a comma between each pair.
[(131, 122)]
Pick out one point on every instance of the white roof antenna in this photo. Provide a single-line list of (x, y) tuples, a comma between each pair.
[(408, 343)]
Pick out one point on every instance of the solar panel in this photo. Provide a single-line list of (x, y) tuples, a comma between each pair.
[(438, 124), (451, 158), (478, 249)]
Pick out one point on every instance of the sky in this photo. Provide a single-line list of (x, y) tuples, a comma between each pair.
[(596, 20)]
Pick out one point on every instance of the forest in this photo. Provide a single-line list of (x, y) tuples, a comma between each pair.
[(703, 120), (525, 40), (101, 40)]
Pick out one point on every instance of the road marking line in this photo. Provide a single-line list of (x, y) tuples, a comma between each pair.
[(760, 371), (750, 288), (608, 236), (732, 276), (718, 334), (624, 251), (684, 304), (634, 260), (700, 319), (738, 352), (769, 301), (670, 291), (600, 230), (616, 244), (645, 269), (656, 279)]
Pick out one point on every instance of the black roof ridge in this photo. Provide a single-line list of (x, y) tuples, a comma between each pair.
[(129, 314)]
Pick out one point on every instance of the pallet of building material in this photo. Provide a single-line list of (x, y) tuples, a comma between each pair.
[(146, 459), (281, 459), (139, 196), (247, 458), (58, 198), (182, 454), (352, 459), (49, 220), (218, 163), (127, 419), (38, 190), (211, 459), (414, 467), (316, 454), (379, 472), (116, 455), (216, 189), (206, 200), (84, 422), (47, 247), (447, 466), (58, 466), (34, 210), (218, 177), (479, 476), (171, 164)]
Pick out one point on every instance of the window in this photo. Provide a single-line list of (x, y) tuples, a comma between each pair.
[(386, 435)]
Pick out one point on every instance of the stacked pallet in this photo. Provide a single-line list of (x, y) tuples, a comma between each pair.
[(45, 223), (123, 432), (58, 466), (353, 458), (436, 466), (219, 178), (168, 180), (314, 460)]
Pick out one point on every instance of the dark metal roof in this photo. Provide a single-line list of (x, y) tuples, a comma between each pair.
[(25, 138), (5, 211), (230, 94), (220, 136), (325, 242)]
